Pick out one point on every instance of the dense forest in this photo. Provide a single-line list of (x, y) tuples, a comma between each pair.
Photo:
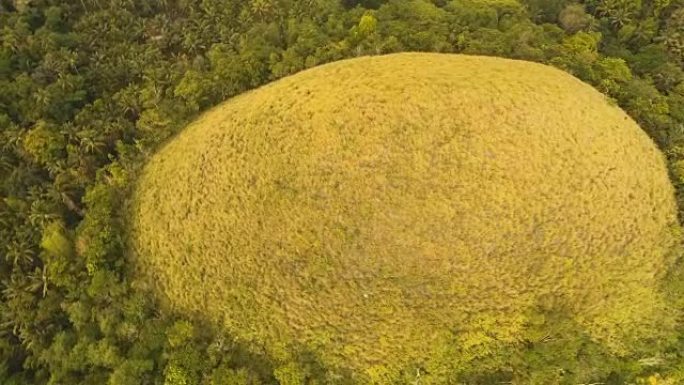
[(90, 88)]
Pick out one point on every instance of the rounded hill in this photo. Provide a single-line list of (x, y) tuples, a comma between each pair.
[(409, 209)]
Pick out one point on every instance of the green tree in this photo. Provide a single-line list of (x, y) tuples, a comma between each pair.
[(573, 18)]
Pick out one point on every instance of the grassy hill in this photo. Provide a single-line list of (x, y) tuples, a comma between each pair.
[(410, 209)]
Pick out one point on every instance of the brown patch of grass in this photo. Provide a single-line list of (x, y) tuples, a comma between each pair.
[(372, 209)]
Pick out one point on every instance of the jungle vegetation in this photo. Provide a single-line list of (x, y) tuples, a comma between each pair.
[(91, 89)]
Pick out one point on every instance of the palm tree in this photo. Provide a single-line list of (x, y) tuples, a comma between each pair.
[(618, 12)]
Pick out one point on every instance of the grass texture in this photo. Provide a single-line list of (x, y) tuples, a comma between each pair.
[(400, 210)]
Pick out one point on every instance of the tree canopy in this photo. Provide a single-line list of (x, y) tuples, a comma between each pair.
[(90, 89)]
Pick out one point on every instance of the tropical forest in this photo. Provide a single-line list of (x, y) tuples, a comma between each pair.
[(343, 192)]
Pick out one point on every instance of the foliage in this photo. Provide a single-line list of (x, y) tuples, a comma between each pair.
[(90, 88)]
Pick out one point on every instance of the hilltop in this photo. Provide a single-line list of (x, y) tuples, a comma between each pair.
[(409, 209)]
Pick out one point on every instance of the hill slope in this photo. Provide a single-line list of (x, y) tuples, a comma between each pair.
[(386, 210)]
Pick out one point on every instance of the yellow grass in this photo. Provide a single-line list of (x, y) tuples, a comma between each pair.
[(376, 211)]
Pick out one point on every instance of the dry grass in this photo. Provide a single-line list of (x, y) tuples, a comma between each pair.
[(380, 209)]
